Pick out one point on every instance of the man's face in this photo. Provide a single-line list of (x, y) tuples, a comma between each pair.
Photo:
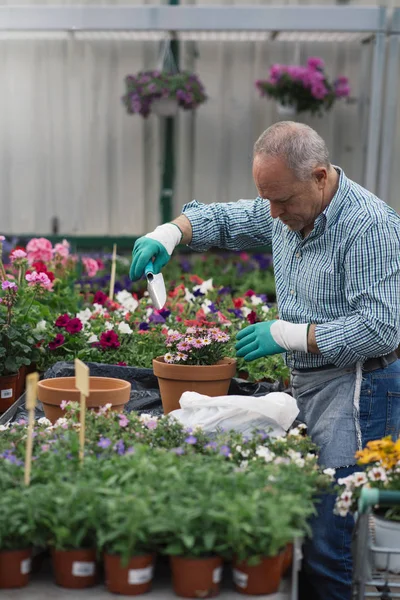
[(296, 203)]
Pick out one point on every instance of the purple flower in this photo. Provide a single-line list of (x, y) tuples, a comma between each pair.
[(224, 290), (152, 424), (155, 318), (45, 447), (130, 450), (104, 442), (225, 451), (262, 434), (123, 420), (164, 313), (143, 326), (64, 404), (8, 285), (120, 447), (178, 451), (211, 446), (191, 440), (315, 63), (198, 293)]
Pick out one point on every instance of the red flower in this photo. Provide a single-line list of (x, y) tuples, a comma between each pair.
[(109, 339), (74, 326), (122, 364), (252, 317), (238, 302), (100, 298), (250, 293), (195, 279), (57, 342), (39, 266), (62, 321), (100, 264)]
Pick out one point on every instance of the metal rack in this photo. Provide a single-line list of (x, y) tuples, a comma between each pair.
[(331, 24)]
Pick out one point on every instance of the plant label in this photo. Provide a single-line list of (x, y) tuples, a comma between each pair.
[(82, 377), (31, 390), (25, 566), (6, 394), (217, 575), (83, 569), (140, 576), (240, 579)]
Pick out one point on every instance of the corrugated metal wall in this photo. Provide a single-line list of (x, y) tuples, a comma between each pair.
[(68, 150)]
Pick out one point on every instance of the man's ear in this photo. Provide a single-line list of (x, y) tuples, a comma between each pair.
[(320, 175)]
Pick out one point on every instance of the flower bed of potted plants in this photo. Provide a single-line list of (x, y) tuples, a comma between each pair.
[(303, 88), (148, 486), (379, 468)]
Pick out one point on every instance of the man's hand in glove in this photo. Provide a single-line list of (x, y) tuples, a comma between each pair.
[(270, 337), (159, 245)]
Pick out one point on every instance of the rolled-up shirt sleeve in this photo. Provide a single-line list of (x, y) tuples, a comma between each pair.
[(232, 225), (372, 282)]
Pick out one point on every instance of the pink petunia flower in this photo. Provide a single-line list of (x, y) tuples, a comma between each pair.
[(90, 265)]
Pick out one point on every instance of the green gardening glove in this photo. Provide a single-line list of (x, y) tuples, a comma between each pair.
[(157, 246), (270, 337)]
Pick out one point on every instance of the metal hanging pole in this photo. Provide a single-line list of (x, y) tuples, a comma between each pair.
[(168, 173)]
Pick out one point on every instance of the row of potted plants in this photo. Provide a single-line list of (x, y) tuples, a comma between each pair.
[(303, 88), (150, 487)]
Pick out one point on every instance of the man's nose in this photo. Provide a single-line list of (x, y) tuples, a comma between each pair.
[(276, 211)]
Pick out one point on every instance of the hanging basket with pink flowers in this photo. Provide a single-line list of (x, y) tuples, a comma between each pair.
[(303, 88)]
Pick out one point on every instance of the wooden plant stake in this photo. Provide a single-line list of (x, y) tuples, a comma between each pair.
[(113, 269), (31, 395), (82, 383)]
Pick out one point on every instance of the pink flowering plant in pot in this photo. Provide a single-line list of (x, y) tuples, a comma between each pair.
[(196, 346), (305, 88), (143, 89)]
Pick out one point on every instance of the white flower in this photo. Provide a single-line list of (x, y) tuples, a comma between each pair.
[(44, 421), (84, 315), (104, 409), (347, 481), (377, 474), (346, 497), (360, 479), (3, 427), (255, 300), (124, 328), (126, 300), (41, 326), (341, 509), (109, 326), (245, 311), (294, 431), (265, 453), (302, 426), (245, 453), (206, 306), (330, 473), (93, 339), (238, 448), (145, 418), (189, 296), (205, 287), (243, 464), (282, 460), (99, 309), (61, 421), (265, 308)]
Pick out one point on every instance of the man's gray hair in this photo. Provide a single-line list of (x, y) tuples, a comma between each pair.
[(298, 144)]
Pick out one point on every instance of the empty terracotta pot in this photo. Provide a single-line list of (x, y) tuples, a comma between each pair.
[(196, 577), (75, 569), (261, 579), (174, 380), (15, 568), (131, 580), (102, 391)]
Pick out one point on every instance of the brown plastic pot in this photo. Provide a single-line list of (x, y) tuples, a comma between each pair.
[(102, 390), (131, 580), (287, 559), (9, 388), (261, 579), (15, 568), (174, 380), (75, 569), (196, 577)]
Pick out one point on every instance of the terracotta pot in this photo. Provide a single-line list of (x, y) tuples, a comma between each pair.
[(9, 387), (287, 559), (103, 390), (15, 568), (74, 569), (20, 388), (174, 380), (133, 579), (264, 578), (196, 577)]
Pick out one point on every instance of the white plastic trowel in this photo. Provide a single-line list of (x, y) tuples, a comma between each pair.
[(155, 286)]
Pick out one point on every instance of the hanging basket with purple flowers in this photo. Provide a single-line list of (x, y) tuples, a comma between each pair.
[(304, 88), (146, 91)]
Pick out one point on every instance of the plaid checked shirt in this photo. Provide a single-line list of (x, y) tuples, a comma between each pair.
[(344, 277)]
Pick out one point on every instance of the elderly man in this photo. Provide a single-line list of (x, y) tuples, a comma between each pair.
[(336, 251)]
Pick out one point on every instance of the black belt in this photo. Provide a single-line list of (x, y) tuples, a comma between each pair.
[(372, 364)]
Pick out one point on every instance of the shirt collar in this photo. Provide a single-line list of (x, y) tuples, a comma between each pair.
[(334, 208)]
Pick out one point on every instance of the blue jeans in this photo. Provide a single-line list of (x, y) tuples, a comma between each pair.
[(327, 563)]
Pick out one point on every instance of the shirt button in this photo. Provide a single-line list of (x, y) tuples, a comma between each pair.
[(292, 292), (298, 254)]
